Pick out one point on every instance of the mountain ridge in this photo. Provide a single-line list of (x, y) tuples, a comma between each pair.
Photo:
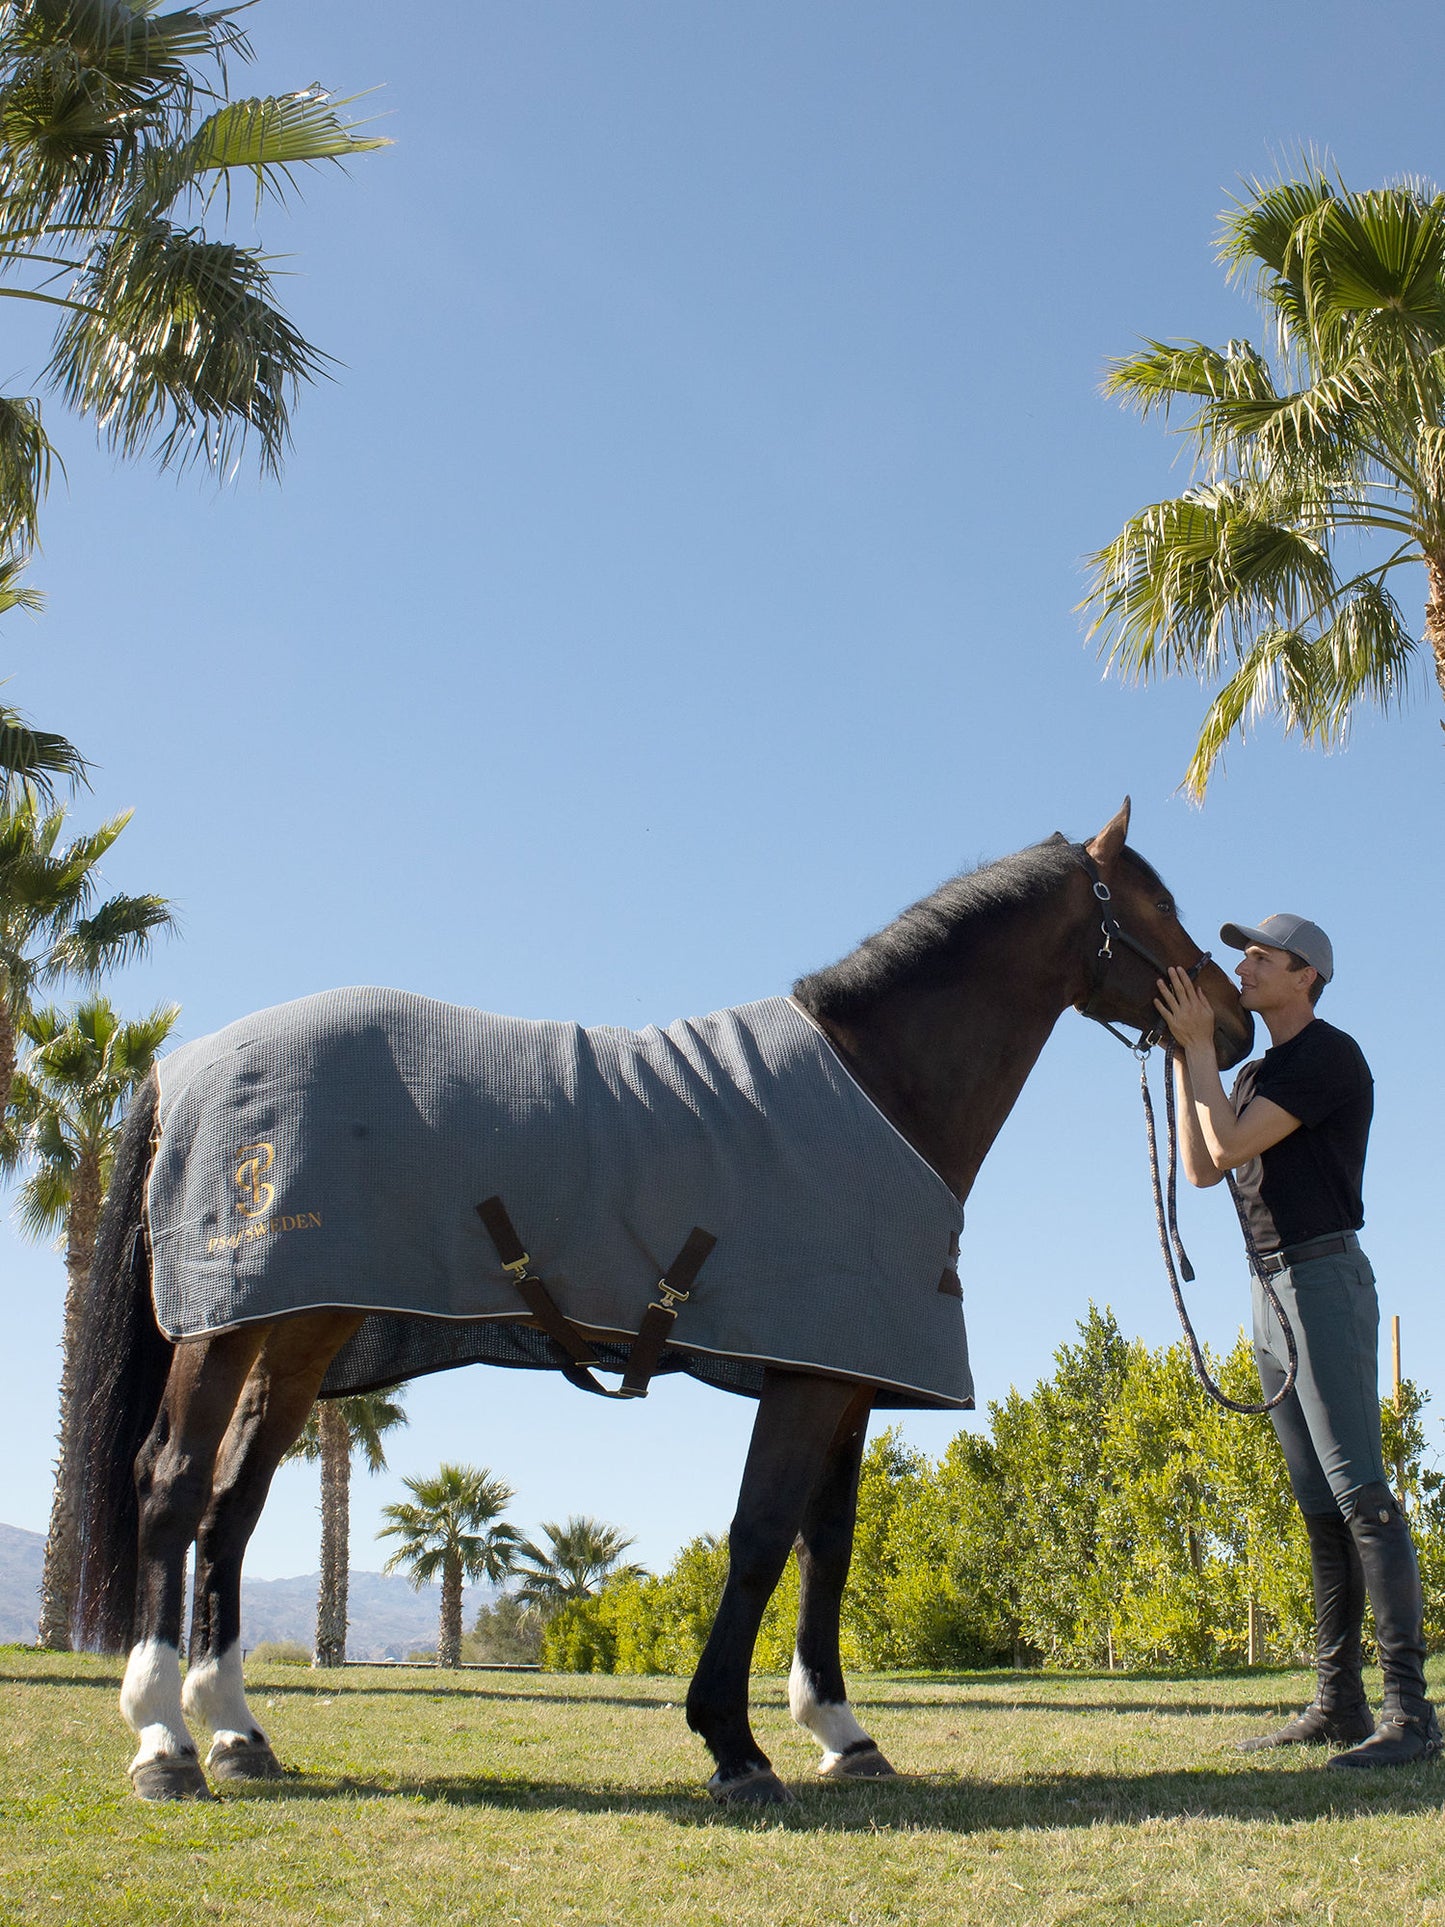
[(387, 1617)]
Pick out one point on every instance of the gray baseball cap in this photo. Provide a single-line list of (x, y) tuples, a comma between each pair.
[(1285, 932)]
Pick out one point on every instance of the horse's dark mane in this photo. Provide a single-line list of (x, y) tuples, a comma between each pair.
[(933, 935)]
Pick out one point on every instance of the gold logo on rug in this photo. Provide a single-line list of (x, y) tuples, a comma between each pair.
[(256, 1197)]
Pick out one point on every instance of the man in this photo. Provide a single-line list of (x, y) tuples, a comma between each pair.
[(1294, 1136)]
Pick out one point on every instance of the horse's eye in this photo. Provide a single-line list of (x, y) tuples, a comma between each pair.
[(1164, 907)]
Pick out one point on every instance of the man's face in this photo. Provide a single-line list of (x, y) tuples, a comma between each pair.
[(1266, 981)]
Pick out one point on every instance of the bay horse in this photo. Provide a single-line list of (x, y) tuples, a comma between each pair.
[(938, 1018)]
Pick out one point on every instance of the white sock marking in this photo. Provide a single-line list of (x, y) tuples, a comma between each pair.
[(150, 1699), (215, 1694), (830, 1722)]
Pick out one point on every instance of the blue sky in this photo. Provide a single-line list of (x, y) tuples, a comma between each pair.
[(677, 579)]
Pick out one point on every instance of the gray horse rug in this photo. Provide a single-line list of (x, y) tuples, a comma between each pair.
[(332, 1153)]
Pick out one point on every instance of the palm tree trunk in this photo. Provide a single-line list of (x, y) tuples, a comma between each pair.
[(1435, 615), (57, 1580), (449, 1645), (334, 1436), (7, 1055)]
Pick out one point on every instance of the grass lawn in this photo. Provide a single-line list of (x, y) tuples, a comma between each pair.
[(413, 1796)]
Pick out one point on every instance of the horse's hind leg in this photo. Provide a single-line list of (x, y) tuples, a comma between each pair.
[(817, 1695), (799, 1417), (173, 1484), (277, 1396)]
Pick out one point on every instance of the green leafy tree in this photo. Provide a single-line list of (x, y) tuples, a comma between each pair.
[(51, 925), (116, 131), (1049, 1453), (505, 1633), (1163, 1503), (64, 1123), (948, 1600), (1258, 1518), (889, 1482), (452, 1530), (581, 1556), (1319, 475), (335, 1429)]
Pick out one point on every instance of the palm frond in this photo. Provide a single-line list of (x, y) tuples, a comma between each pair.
[(25, 459), (184, 352), (1166, 373), (1363, 653), (14, 596), (1311, 682), (421, 1563), (1182, 585), (133, 1051), (584, 1554), (369, 1415), (268, 136), (43, 1023), (35, 756), (43, 1202), (1257, 231), (129, 42), (119, 931), (1376, 254)]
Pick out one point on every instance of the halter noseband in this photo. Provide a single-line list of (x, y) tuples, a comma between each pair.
[(1112, 930)]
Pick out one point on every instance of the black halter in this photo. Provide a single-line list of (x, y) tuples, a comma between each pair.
[(1114, 932)]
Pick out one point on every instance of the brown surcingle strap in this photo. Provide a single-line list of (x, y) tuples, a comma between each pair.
[(657, 1322)]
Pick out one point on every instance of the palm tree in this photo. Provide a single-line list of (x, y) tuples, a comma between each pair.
[(452, 1533), (66, 1108), (335, 1429), (50, 924), (585, 1553), (1315, 479), (116, 131)]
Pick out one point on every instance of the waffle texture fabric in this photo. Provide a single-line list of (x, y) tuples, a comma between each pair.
[(332, 1152)]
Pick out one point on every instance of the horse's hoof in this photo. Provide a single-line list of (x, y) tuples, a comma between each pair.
[(170, 1777), (243, 1760), (758, 1787), (857, 1763)]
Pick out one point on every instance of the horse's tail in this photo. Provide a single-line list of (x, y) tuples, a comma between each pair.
[(121, 1363)]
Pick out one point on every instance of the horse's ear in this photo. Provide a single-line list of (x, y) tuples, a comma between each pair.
[(1105, 847)]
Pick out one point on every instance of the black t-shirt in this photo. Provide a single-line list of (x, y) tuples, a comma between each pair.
[(1309, 1184)]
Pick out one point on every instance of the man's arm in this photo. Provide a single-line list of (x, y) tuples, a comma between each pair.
[(1214, 1140), (1194, 1153)]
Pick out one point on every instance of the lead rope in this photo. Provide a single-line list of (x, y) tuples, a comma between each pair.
[(1172, 1246)]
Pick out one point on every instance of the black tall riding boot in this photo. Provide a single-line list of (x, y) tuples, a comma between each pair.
[(1408, 1729), (1340, 1714)]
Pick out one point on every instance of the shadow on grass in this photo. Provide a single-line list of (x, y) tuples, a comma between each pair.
[(938, 1803), (1201, 1709), (324, 1684), (321, 1684), (109, 1680), (765, 1691)]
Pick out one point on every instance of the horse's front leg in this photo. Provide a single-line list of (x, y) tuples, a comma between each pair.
[(173, 1484), (799, 1416), (817, 1695), (273, 1407)]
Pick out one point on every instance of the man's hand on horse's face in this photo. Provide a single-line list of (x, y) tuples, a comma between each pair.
[(1187, 1011)]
